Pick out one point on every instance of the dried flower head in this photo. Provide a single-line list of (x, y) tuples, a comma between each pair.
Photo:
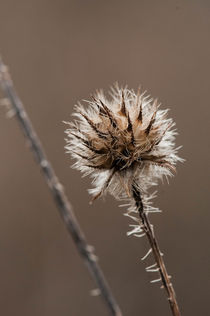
[(122, 141), (126, 143)]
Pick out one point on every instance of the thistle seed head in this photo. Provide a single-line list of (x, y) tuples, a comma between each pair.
[(121, 141)]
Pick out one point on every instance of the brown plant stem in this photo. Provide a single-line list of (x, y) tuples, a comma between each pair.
[(63, 204), (148, 230)]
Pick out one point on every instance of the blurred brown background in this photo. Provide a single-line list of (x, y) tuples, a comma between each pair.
[(60, 52)]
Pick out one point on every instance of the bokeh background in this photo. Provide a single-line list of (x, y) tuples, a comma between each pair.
[(59, 52)]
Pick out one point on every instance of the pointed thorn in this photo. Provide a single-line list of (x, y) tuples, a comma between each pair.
[(88, 144), (109, 114), (95, 197), (80, 155), (93, 126), (140, 118), (148, 129), (123, 107), (130, 129), (161, 137)]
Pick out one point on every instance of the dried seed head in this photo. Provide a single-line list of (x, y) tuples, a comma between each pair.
[(122, 140)]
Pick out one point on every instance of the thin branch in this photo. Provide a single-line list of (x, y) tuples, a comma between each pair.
[(161, 268), (60, 199)]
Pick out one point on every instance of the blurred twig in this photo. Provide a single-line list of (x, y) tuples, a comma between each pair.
[(60, 199)]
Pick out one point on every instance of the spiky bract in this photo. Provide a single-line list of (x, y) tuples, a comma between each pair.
[(122, 141)]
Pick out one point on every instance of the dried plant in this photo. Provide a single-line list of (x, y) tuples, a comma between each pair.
[(126, 144)]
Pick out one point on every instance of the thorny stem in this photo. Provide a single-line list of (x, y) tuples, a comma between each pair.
[(148, 230), (60, 199)]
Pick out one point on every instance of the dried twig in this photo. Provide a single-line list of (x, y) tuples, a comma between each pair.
[(60, 199), (159, 266)]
